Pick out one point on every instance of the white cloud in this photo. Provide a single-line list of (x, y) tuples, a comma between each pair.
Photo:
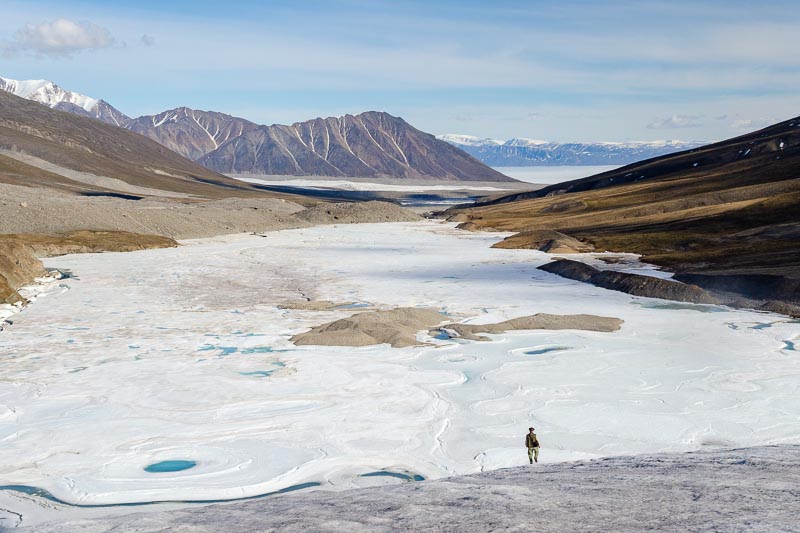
[(61, 37), (676, 121), (147, 40), (752, 124)]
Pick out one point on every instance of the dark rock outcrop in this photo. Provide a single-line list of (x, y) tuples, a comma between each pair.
[(758, 286), (782, 308), (566, 268), (635, 284), (651, 287)]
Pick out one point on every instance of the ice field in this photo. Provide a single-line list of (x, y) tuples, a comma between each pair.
[(182, 355)]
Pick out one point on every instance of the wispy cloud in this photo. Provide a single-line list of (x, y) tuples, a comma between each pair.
[(675, 122), (561, 70), (61, 37), (750, 124)]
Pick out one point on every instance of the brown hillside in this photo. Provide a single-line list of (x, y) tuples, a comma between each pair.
[(727, 209), (82, 144)]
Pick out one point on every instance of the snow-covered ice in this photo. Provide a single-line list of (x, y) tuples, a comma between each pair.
[(366, 185), (182, 355), (550, 175)]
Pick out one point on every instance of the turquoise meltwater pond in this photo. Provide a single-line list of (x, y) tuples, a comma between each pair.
[(170, 466)]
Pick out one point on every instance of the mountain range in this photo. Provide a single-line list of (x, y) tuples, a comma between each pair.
[(519, 152), (370, 144)]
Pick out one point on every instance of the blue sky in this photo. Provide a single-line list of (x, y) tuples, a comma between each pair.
[(559, 70)]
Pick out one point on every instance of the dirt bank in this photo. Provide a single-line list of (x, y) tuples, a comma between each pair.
[(19, 253)]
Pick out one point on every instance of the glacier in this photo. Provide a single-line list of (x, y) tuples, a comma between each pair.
[(183, 355)]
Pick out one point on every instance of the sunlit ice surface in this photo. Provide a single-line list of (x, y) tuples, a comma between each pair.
[(183, 355)]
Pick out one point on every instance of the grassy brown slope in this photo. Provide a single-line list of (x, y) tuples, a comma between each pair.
[(87, 145), (734, 213)]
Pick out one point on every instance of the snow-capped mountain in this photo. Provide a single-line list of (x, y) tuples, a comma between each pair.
[(519, 152), (48, 93)]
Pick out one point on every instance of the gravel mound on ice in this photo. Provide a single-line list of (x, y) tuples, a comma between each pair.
[(752, 489), (398, 327), (311, 305), (356, 213), (537, 321), (545, 240)]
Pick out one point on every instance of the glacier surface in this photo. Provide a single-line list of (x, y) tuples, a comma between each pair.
[(183, 355)]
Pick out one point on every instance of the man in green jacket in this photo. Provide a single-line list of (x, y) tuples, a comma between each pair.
[(532, 443)]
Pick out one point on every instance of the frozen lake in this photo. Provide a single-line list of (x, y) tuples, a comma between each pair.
[(552, 175), (180, 357)]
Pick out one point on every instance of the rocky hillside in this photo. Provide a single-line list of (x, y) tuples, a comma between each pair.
[(371, 144), (189, 132), (749, 489), (723, 216), (528, 152)]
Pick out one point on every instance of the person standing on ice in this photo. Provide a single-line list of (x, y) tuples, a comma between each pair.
[(532, 443)]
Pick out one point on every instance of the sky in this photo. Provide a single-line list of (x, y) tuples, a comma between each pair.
[(567, 70)]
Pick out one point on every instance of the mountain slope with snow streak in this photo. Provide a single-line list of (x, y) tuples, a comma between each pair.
[(190, 132), (370, 144)]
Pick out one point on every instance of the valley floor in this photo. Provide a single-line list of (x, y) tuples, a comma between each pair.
[(184, 354)]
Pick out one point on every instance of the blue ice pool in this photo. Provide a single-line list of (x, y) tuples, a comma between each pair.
[(170, 466), (398, 475), (442, 335), (354, 305), (265, 373)]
